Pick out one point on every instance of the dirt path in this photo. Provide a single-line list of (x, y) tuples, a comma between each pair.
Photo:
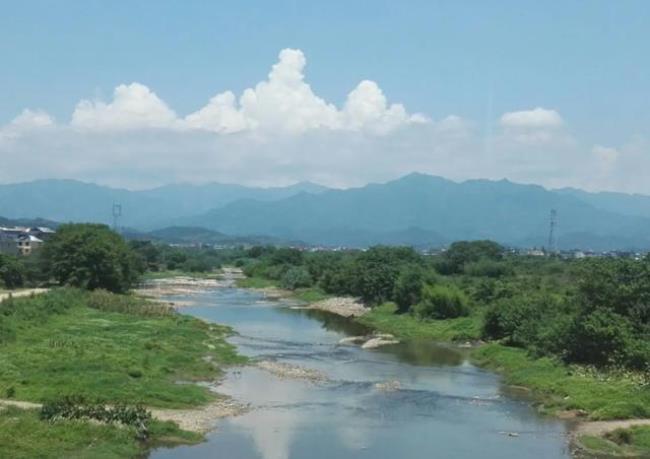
[(599, 428), (18, 293)]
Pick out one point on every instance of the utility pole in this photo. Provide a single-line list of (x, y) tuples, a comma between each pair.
[(552, 238), (117, 213)]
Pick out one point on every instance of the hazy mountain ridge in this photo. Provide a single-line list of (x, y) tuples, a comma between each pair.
[(417, 209), (75, 201), (510, 213)]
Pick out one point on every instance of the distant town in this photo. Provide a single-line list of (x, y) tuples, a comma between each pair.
[(20, 240)]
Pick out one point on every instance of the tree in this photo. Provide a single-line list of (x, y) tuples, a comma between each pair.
[(408, 288), (90, 256), (463, 252), (12, 272)]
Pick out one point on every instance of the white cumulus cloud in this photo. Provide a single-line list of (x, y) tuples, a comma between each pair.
[(134, 106), (537, 118)]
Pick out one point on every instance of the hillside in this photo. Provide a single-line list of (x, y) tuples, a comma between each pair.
[(429, 210)]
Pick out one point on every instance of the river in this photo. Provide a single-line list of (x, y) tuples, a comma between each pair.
[(444, 408)]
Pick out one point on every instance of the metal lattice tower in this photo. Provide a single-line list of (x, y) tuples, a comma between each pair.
[(117, 213), (552, 238)]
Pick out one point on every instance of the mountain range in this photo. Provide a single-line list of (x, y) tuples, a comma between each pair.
[(417, 209)]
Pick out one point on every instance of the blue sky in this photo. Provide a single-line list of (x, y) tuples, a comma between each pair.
[(586, 60)]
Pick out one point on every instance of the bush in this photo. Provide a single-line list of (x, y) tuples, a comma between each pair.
[(75, 407), (442, 302), (600, 338), (486, 268), (296, 277)]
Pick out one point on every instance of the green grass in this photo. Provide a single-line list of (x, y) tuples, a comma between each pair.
[(310, 295), (632, 442), (560, 387), (256, 282), (23, 435), (111, 356), (406, 326)]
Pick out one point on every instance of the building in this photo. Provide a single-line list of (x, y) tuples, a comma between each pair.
[(24, 241)]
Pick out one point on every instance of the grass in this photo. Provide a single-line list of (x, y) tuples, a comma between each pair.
[(310, 295), (23, 435), (632, 442), (406, 326), (256, 282), (110, 355), (105, 347), (560, 387)]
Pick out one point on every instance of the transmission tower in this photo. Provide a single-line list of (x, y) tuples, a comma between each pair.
[(117, 213), (552, 238)]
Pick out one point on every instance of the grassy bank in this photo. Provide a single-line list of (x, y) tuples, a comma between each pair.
[(558, 387), (23, 435), (105, 347), (406, 326), (632, 442)]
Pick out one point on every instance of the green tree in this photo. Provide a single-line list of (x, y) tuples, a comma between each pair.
[(90, 256), (296, 277), (12, 271)]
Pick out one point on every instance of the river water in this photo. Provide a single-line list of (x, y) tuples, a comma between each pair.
[(444, 407)]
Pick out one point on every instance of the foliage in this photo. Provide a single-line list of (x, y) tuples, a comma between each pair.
[(90, 256), (12, 272), (296, 277), (408, 287), (64, 347), (78, 408), (442, 302)]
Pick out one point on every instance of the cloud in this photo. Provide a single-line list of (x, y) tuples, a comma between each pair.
[(537, 118), (280, 132), (286, 103), (134, 106)]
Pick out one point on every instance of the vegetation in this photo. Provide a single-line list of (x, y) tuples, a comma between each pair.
[(97, 355), (632, 442), (90, 256), (575, 331)]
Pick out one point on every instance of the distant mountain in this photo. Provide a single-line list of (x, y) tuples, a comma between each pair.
[(27, 222), (424, 209), (191, 235), (74, 201), (637, 205)]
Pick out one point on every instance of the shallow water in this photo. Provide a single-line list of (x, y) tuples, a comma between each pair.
[(445, 407)]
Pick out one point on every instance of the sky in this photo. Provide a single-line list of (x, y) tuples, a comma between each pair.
[(138, 94)]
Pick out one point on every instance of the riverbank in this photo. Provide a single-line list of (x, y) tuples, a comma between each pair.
[(579, 394), (111, 348)]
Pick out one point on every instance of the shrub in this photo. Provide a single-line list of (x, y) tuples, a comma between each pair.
[(486, 268), (296, 277), (76, 407), (442, 302), (598, 338)]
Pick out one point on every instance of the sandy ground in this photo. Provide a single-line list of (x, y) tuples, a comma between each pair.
[(599, 428), (201, 419), (18, 293), (342, 306)]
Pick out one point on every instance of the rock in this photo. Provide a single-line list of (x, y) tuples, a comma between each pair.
[(388, 386), (374, 343), (352, 340)]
